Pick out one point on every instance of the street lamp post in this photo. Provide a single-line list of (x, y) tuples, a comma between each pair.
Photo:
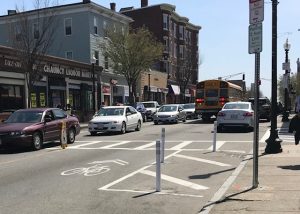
[(273, 142), (285, 115), (149, 91), (93, 86)]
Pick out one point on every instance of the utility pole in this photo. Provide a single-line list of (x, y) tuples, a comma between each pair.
[(273, 142)]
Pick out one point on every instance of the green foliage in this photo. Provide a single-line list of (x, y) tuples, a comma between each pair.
[(132, 53)]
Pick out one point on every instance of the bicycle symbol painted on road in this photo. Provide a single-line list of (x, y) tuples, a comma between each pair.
[(97, 168)]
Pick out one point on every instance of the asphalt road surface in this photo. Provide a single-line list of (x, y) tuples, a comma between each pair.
[(114, 173)]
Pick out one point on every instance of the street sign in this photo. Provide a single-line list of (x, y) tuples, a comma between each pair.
[(256, 12), (255, 38)]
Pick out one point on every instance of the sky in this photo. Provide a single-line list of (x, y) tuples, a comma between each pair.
[(223, 39)]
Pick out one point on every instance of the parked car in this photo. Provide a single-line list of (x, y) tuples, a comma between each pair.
[(236, 114), (37, 126), (141, 108), (4, 114), (116, 119), (171, 113), (189, 108), (152, 107), (264, 108)]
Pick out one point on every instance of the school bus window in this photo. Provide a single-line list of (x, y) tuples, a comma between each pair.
[(223, 92), (200, 93), (211, 93)]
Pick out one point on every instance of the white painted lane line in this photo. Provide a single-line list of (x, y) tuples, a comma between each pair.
[(202, 160), (219, 144), (153, 192), (145, 146), (233, 151), (115, 144), (176, 180), (265, 136), (181, 145), (85, 144), (133, 173)]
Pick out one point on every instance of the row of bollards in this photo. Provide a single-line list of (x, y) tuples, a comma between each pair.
[(160, 156)]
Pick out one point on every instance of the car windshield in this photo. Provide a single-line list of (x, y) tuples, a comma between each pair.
[(236, 106), (25, 117), (186, 106), (167, 108), (149, 105), (110, 112)]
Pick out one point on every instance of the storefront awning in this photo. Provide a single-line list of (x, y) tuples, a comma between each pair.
[(174, 89)]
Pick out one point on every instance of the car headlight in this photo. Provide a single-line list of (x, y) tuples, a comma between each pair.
[(17, 133)]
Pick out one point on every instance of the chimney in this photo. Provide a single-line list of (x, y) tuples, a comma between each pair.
[(144, 3), (86, 1), (113, 6), (11, 12)]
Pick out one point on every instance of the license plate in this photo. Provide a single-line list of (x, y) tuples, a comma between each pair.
[(100, 126), (234, 116)]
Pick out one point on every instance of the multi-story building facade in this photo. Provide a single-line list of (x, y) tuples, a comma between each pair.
[(80, 29), (180, 39)]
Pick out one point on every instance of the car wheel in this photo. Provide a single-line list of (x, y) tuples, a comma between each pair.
[(93, 133), (37, 141), (184, 119), (139, 126), (123, 128), (71, 135), (155, 122)]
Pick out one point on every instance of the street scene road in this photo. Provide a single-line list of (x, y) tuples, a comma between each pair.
[(112, 173)]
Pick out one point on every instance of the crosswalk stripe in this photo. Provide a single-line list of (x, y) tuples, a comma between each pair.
[(115, 144), (176, 180), (219, 145), (85, 144), (181, 145), (145, 146)]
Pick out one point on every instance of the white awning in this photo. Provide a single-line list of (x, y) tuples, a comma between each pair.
[(176, 89)]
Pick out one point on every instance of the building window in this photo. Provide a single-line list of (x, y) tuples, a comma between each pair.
[(166, 21), (175, 30), (181, 51), (96, 55), (95, 26), (36, 32), (68, 26), (18, 32), (175, 50), (181, 32), (190, 37), (166, 44), (69, 54), (106, 62)]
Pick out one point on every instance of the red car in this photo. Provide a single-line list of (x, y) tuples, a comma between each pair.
[(37, 126)]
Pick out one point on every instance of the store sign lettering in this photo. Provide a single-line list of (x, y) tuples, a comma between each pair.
[(72, 72), (86, 74), (53, 69), (12, 63)]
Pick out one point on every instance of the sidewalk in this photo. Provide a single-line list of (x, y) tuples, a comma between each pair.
[(279, 184)]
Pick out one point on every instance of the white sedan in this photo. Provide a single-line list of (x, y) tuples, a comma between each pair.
[(236, 114), (115, 119)]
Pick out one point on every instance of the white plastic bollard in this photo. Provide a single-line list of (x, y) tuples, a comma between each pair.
[(158, 171), (163, 140), (215, 136)]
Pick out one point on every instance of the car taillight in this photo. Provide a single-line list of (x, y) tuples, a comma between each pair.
[(199, 100), (222, 100), (248, 114), (221, 114)]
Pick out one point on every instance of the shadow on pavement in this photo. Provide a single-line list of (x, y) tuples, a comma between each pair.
[(205, 176), (290, 167)]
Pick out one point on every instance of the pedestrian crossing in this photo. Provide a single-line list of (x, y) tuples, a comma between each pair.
[(285, 136), (137, 145)]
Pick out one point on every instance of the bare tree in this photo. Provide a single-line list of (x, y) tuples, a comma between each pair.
[(31, 34), (185, 71), (132, 53)]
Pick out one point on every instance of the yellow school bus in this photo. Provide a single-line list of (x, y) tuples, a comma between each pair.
[(211, 95)]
